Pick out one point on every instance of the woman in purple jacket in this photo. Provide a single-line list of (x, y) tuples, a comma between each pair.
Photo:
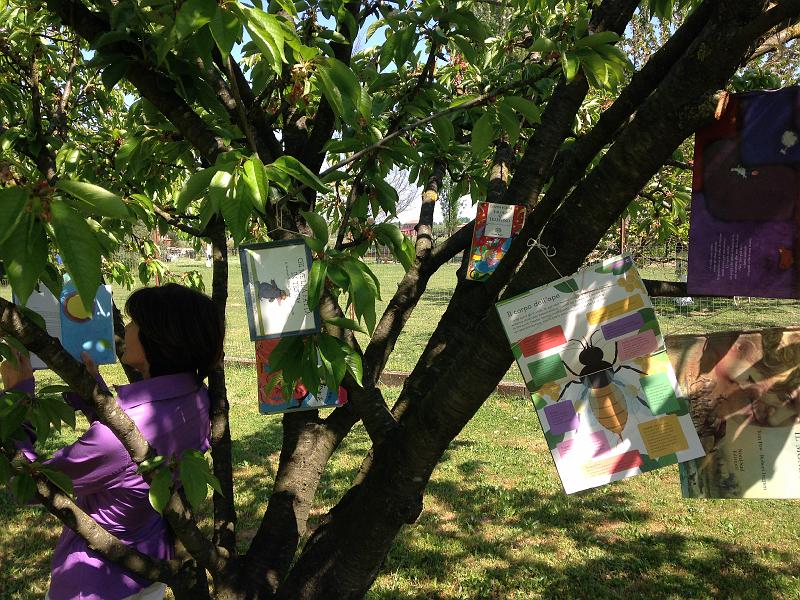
[(173, 340)]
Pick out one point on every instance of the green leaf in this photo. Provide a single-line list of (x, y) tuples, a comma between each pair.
[(79, 250), (23, 487), (24, 254), (151, 463), (390, 235), (334, 359), (525, 107), (317, 224), (270, 25), (340, 86), (236, 210), (482, 134), (291, 166), (570, 64), (192, 15), (218, 189), (509, 121), (21, 349), (113, 73), (595, 67), (361, 293), (353, 361), (346, 324), (316, 282), (444, 131), (195, 186), (257, 184), (160, 490), (543, 45), (226, 29), (406, 39), (101, 201), (12, 209), (59, 479), (309, 368), (407, 254), (11, 418), (5, 469), (192, 475), (597, 39), (288, 350)]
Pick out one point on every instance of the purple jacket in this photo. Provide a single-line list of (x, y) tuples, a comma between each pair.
[(172, 412)]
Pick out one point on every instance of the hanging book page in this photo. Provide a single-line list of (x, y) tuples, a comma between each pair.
[(275, 277), (66, 319), (270, 398), (744, 396), (745, 190), (496, 225), (592, 355)]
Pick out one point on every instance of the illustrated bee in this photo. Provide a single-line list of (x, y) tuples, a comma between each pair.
[(606, 395)]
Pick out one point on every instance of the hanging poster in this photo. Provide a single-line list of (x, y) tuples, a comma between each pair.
[(270, 398), (275, 278), (744, 396), (592, 355), (79, 331), (745, 189), (496, 226)]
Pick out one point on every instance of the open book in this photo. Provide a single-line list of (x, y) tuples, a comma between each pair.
[(744, 396)]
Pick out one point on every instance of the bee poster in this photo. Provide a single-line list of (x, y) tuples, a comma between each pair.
[(592, 356), (744, 398), (270, 397), (745, 190), (275, 278)]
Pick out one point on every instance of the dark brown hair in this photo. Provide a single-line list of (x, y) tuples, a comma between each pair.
[(180, 329)]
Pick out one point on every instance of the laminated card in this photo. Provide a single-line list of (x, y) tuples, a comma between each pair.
[(67, 319), (275, 278), (270, 398), (592, 355), (496, 225), (743, 236), (744, 397)]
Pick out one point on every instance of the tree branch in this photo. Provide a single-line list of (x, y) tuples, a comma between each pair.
[(221, 446), (429, 197)]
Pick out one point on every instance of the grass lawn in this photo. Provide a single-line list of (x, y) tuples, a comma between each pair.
[(495, 523)]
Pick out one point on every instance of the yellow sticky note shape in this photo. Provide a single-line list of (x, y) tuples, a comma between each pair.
[(655, 363), (663, 436), (615, 309)]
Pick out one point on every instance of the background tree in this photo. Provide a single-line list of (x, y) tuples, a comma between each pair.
[(254, 121)]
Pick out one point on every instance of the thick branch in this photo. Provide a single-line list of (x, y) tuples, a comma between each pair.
[(429, 197), (108, 545), (221, 448), (777, 41)]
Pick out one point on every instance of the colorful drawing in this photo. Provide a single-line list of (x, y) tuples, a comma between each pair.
[(275, 278), (606, 393), (79, 331), (270, 396), (496, 225), (744, 398), (592, 354), (745, 188)]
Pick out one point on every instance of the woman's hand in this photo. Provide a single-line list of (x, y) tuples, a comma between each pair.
[(90, 366), (12, 374)]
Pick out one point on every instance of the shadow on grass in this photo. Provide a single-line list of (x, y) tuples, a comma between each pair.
[(480, 539), (554, 546)]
